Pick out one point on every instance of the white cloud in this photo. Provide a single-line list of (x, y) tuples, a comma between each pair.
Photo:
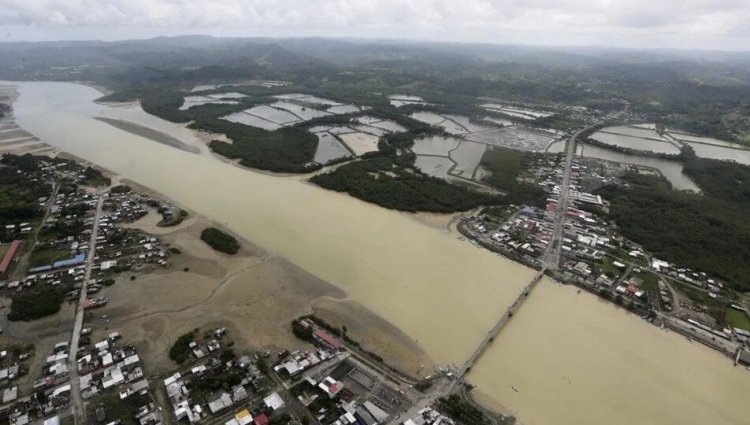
[(645, 23)]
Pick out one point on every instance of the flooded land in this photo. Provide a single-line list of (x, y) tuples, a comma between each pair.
[(671, 170), (646, 138), (572, 358)]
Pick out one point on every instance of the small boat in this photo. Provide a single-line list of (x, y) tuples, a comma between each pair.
[(514, 388)]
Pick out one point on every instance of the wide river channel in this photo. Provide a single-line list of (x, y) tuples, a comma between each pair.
[(573, 358)]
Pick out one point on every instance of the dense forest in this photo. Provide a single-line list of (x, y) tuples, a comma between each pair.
[(288, 149), (709, 232), (382, 181)]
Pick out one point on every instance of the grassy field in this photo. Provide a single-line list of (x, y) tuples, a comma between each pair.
[(713, 305), (737, 319), (505, 166), (605, 266), (45, 256), (115, 408), (649, 281), (623, 255)]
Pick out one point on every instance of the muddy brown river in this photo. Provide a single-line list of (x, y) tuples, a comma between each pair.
[(442, 292)]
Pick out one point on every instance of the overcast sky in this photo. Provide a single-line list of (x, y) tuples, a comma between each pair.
[(702, 24)]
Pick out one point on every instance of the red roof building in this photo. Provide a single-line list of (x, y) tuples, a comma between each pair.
[(327, 338), (261, 419), (8, 257)]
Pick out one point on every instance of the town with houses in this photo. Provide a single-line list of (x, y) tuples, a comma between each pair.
[(78, 247), (597, 259)]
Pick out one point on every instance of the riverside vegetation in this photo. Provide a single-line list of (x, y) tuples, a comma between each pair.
[(709, 230), (220, 241)]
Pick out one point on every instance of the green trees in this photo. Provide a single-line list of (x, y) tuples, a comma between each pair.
[(302, 332), (383, 182), (36, 303), (220, 241), (708, 232), (462, 411), (18, 194), (180, 351), (505, 165), (287, 150), (94, 177)]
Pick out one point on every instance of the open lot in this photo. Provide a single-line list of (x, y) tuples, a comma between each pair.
[(44, 256), (737, 319)]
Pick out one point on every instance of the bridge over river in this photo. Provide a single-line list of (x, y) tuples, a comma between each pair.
[(550, 261)]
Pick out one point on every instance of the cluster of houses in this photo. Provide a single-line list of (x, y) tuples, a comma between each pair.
[(527, 233), (211, 346), (332, 404), (66, 228), (429, 416), (12, 368), (55, 370), (108, 365), (299, 361), (190, 403), (73, 275), (197, 408), (120, 248)]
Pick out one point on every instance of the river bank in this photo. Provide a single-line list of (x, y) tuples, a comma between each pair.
[(254, 294), (441, 293)]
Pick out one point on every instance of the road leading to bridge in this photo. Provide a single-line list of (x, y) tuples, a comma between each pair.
[(550, 261), (552, 257)]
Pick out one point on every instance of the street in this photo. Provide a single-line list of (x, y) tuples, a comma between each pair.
[(79, 408)]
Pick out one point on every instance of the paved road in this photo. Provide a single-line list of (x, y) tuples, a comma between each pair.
[(623, 275), (19, 271), (79, 408), (552, 258)]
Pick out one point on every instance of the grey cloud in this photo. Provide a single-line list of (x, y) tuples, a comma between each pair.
[(638, 22)]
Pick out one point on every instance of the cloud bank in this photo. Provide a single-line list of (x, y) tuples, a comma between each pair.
[(635, 23)]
